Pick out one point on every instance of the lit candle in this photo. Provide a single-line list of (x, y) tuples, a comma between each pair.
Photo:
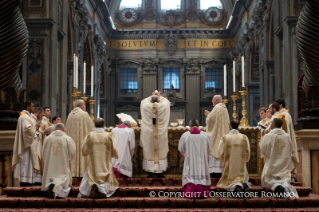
[(77, 71), (225, 80), (84, 77), (74, 71), (234, 77), (92, 80), (242, 71)]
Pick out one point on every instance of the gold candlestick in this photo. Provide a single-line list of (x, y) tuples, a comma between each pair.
[(244, 120), (225, 100), (234, 98), (85, 98), (75, 94), (92, 102)]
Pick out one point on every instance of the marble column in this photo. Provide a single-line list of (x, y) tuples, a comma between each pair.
[(149, 83), (111, 85), (193, 93), (100, 50), (293, 66), (267, 89)]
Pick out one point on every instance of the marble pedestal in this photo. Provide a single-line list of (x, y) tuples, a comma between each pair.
[(310, 142)]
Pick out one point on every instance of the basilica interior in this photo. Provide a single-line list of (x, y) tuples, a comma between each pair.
[(115, 53)]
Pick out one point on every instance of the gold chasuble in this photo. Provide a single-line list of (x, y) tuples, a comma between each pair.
[(100, 148), (277, 115), (217, 123), (284, 124), (46, 123), (78, 125), (234, 150)]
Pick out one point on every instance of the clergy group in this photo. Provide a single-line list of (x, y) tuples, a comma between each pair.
[(51, 154)]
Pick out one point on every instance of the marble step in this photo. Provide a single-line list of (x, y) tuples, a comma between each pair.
[(165, 181), (141, 202), (164, 210), (138, 191)]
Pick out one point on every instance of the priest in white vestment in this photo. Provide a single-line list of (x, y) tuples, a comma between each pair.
[(46, 118), (78, 125), (56, 120), (99, 179), (155, 111), (22, 163), (58, 150), (262, 124), (234, 151), (274, 109), (277, 150), (195, 146), (217, 125), (290, 130), (125, 140), (37, 144)]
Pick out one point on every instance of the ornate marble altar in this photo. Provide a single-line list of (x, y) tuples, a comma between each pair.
[(176, 160)]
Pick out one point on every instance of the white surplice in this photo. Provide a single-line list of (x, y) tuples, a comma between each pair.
[(147, 134), (195, 148), (58, 150), (22, 162), (125, 140), (277, 149)]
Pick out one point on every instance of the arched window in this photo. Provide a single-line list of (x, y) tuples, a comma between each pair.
[(205, 4), (170, 4), (134, 4)]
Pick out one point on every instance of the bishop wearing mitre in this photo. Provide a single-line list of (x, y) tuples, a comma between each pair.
[(99, 179), (78, 125), (22, 162), (155, 111), (58, 150), (217, 124)]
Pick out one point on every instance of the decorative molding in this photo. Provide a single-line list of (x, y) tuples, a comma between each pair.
[(171, 43), (149, 65), (192, 65), (100, 49), (35, 7), (171, 18), (137, 20), (203, 18), (279, 32)]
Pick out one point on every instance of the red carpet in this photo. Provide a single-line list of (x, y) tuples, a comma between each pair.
[(134, 195), (164, 209)]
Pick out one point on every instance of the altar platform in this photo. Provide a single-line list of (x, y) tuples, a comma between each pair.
[(176, 160)]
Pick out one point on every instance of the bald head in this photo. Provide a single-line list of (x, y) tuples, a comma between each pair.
[(217, 99), (154, 99), (99, 123)]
